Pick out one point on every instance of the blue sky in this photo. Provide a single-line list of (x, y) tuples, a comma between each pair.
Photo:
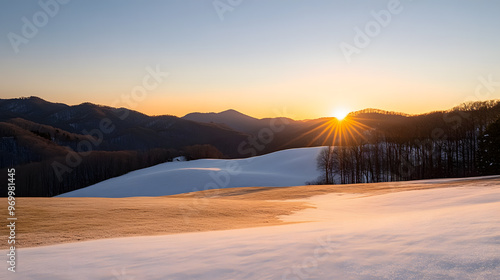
[(264, 56)]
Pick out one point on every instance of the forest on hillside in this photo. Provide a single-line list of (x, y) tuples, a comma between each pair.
[(460, 142)]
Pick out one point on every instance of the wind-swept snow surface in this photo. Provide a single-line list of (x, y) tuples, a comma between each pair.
[(292, 167), (448, 233)]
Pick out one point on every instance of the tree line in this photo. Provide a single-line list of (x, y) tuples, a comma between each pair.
[(456, 143), (43, 180)]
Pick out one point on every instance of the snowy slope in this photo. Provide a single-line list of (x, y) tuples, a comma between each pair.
[(449, 233), (292, 167)]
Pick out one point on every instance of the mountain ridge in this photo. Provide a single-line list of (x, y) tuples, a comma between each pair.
[(137, 140)]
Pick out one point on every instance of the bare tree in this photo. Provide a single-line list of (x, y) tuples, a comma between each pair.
[(325, 163)]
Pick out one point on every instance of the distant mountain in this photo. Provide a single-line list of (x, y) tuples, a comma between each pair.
[(131, 130), (28, 108), (232, 119)]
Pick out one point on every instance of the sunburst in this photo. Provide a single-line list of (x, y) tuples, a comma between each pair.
[(340, 113), (347, 131)]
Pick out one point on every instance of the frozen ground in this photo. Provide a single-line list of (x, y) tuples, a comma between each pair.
[(292, 167), (447, 233)]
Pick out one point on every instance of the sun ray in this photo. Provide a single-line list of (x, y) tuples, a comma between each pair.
[(325, 124), (335, 132), (328, 128)]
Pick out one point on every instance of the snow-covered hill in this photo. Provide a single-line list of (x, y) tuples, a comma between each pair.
[(292, 167)]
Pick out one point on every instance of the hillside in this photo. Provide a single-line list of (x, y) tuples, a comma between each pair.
[(434, 229), (284, 168), (20, 146)]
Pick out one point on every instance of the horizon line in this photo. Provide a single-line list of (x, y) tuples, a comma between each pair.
[(355, 112)]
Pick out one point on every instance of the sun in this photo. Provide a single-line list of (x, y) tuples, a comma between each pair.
[(340, 113)]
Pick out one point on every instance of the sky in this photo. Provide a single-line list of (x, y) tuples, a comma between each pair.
[(265, 58)]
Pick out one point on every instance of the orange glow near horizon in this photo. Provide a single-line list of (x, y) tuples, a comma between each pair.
[(340, 113), (162, 102)]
